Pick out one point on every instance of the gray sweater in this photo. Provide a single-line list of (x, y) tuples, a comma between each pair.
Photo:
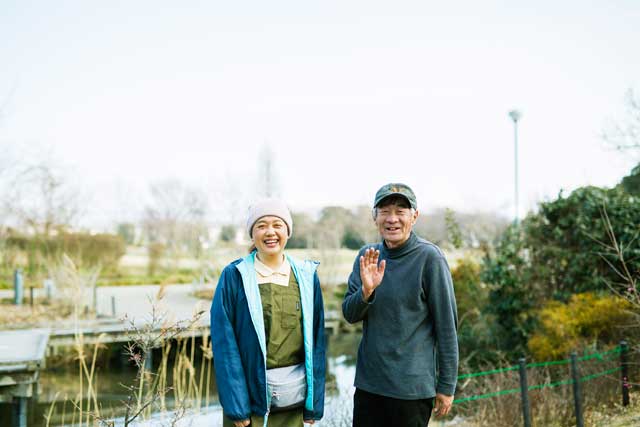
[(409, 346)]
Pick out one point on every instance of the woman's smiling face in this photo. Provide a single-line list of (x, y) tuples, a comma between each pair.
[(270, 235)]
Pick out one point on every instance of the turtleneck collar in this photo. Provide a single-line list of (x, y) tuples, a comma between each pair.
[(401, 250)]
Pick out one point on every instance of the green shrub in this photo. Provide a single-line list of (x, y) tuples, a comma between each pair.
[(631, 182), (475, 328), (352, 240), (228, 233), (557, 252)]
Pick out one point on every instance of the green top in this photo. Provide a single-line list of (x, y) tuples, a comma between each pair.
[(282, 323)]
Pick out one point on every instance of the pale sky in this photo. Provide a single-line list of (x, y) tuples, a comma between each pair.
[(348, 94)]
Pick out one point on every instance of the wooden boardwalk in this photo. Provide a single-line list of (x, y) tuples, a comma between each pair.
[(109, 332), (23, 349), (22, 355)]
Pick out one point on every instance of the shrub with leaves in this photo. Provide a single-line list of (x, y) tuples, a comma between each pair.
[(631, 182), (475, 330), (558, 252), (509, 301)]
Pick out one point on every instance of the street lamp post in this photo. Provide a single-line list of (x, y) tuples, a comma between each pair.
[(515, 116)]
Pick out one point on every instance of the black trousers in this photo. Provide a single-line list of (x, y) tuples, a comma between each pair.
[(373, 410)]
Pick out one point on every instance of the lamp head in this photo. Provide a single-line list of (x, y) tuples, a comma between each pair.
[(515, 115)]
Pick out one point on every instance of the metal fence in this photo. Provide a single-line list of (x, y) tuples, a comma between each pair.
[(576, 379)]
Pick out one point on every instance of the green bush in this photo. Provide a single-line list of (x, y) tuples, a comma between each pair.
[(631, 182), (352, 240), (566, 241), (509, 300), (557, 252), (476, 337), (228, 233)]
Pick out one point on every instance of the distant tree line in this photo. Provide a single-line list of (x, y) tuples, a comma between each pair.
[(339, 227)]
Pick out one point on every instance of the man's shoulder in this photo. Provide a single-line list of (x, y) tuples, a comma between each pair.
[(429, 248)]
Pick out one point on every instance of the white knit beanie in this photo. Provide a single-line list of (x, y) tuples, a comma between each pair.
[(269, 207)]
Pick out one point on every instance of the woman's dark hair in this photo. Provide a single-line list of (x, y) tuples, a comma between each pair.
[(252, 247)]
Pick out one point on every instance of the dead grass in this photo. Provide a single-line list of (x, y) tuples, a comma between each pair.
[(614, 414), (550, 406), (205, 294), (24, 316)]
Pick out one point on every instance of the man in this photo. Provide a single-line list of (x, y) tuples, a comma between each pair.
[(408, 355)]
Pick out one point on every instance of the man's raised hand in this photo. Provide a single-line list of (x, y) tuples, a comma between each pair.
[(370, 272)]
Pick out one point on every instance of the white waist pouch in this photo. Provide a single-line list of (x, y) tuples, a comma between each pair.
[(287, 386)]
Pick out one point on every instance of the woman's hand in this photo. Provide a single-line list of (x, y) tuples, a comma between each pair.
[(242, 423), (309, 421)]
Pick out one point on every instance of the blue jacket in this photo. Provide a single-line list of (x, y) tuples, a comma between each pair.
[(239, 344)]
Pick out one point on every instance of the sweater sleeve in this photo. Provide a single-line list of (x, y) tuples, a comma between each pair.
[(442, 304), (230, 376), (354, 307)]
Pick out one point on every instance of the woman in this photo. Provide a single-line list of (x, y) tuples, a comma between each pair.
[(267, 329)]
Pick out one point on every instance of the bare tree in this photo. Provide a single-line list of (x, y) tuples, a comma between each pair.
[(231, 199), (626, 286), (175, 215), (42, 198), (303, 236), (624, 134), (331, 226), (473, 229), (7, 166), (364, 224)]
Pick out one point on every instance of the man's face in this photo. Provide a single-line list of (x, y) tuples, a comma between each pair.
[(270, 235), (395, 220)]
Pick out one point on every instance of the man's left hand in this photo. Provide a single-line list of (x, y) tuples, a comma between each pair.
[(442, 405)]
